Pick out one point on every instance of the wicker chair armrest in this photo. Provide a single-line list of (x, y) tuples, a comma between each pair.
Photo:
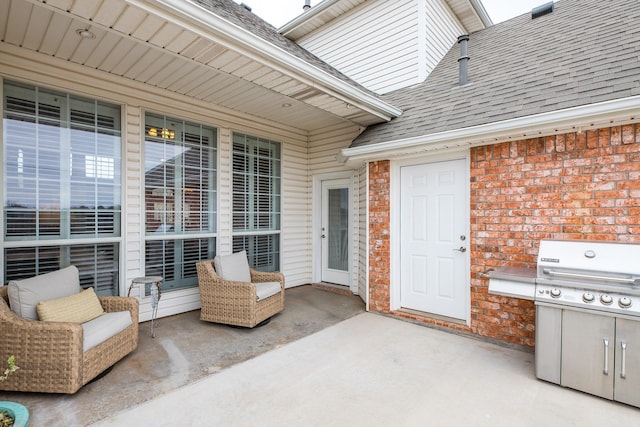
[(264, 276), (17, 333), (112, 303)]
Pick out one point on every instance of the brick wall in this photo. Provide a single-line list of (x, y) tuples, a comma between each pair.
[(379, 244), (582, 185)]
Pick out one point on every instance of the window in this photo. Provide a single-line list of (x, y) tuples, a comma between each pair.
[(62, 185), (256, 200), (180, 198)]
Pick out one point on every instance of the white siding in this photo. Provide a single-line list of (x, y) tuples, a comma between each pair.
[(442, 32), (323, 149), (387, 44), (135, 99), (376, 44)]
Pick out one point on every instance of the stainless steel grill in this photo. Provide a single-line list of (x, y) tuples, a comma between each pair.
[(587, 297)]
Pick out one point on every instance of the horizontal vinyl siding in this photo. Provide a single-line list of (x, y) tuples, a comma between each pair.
[(135, 99), (323, 149), (364, 42), (443, 30)]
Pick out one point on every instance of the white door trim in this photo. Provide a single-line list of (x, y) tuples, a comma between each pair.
[(395, 187), (316, 221)]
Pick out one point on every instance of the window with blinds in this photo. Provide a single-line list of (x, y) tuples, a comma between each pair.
[(62, 183), (180, 198), (256, 201)]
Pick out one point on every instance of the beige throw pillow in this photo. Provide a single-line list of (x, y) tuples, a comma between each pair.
[(79, 308)]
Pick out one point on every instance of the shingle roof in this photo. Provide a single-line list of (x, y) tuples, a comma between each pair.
[(585, 52), (238, 15)]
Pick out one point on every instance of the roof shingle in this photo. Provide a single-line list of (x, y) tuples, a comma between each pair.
[(586, 51)]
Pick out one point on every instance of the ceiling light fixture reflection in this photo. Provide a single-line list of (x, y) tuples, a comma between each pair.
[(85, 33)]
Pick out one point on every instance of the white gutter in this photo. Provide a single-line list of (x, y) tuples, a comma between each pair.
[(260, 50), (585, 117), (306, 15), (481, 12)]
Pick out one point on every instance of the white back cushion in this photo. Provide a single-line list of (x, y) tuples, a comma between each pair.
[(233, 267), (24, 295)]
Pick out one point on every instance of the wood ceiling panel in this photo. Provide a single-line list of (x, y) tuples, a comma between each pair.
[(108, 13), (18, 21), (58, 27), (37, 28)]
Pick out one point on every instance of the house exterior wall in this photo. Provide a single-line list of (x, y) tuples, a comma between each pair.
[(581, 185), (387, 44), (136, 99), (322, 149)]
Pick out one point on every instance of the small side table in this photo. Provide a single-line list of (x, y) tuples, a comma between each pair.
[(155, 287)]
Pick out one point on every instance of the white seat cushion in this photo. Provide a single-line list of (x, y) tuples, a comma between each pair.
[(104, 327), (24, 295), (266, 289), (233, 267)]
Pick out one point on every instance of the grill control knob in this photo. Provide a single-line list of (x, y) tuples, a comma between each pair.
[(588, 297), (555, 292), (624, 302), (606, 299)]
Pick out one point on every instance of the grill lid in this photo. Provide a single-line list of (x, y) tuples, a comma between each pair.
[(589, 261)]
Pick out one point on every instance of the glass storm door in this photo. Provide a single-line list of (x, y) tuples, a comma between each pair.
[(335, 231)]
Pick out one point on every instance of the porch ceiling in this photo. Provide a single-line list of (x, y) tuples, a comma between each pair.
[(148, 41)]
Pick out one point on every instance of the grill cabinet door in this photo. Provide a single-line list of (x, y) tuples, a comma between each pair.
[(627, 389), (588, 342)]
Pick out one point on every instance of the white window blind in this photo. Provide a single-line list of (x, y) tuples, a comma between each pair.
[(50, 197), (180, 198), (256, 202)]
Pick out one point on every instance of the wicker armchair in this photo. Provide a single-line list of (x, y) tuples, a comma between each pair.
[(234, 302), (50, 354)]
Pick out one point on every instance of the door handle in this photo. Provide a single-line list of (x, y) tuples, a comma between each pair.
[(623, 368), (605, 370), (461, 249)]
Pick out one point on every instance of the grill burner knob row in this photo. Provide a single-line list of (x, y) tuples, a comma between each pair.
[(588, 297), (555, 292), (624, 302), (606, 299)]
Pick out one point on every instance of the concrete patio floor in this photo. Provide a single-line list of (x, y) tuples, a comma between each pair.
[(372, 370), (185, 350), (322, 362)]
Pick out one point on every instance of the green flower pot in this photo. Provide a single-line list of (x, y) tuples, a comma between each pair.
[(18, 412)]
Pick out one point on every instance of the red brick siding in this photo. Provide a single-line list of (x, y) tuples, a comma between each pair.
[(379, 232), (571, 186)]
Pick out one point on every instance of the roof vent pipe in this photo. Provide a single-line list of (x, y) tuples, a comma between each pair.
[(307, 5), (464, 59), (542, 10), (246, 6)]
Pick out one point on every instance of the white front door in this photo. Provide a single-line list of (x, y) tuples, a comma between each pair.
[(335, 231), (433, 227)]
